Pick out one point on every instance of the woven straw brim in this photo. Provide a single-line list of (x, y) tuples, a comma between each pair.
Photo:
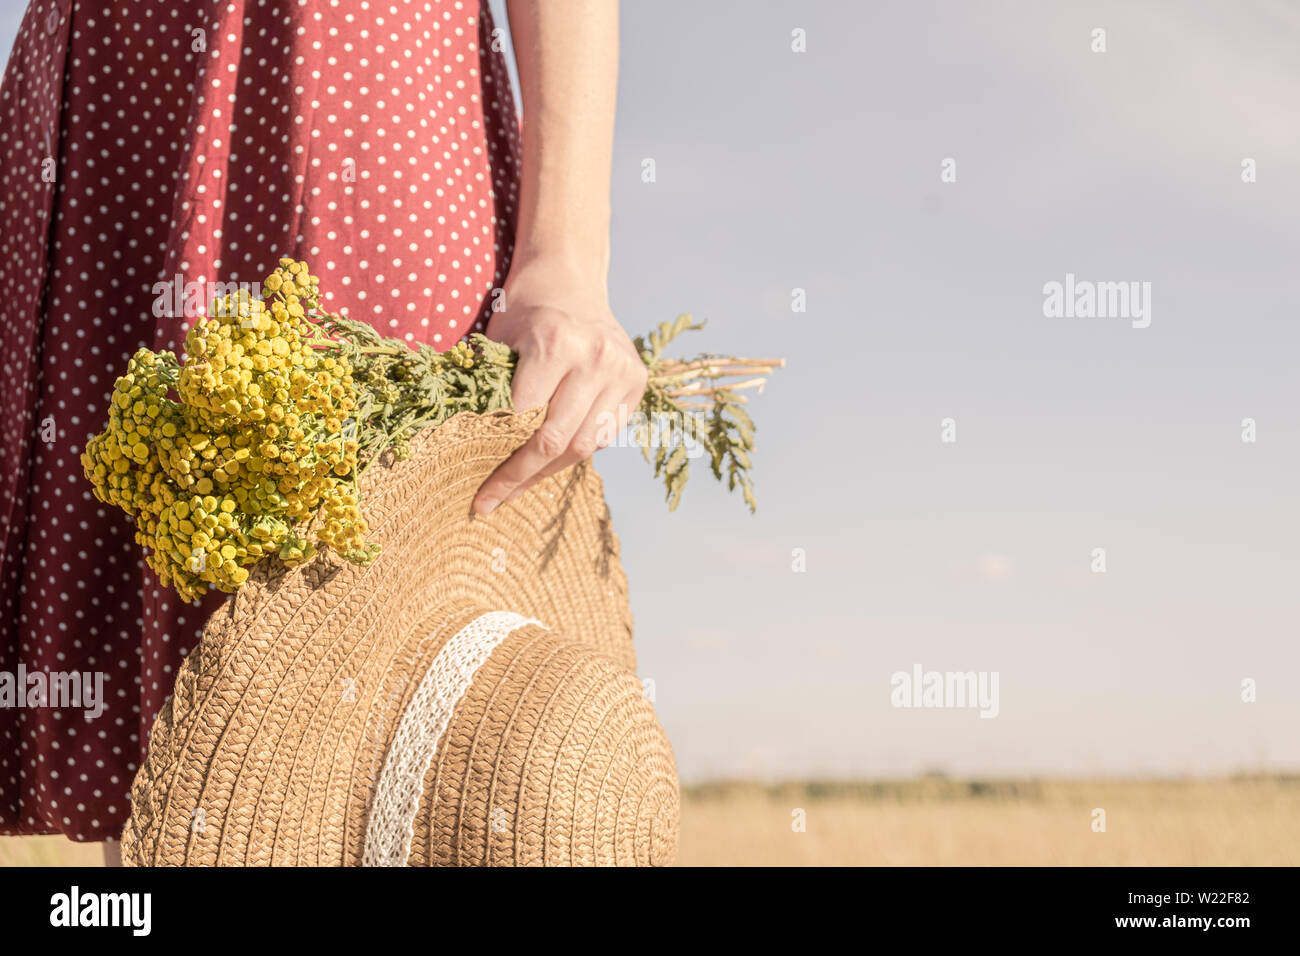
[(279, 740)]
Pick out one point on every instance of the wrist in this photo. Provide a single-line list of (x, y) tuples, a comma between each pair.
[(556, 261)]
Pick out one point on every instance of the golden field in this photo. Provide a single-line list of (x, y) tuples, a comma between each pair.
[(1244, 821)]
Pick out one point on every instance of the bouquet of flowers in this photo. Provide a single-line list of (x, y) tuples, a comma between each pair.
[(225, 456)]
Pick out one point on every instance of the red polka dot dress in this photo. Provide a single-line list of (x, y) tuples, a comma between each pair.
[(149, 147)]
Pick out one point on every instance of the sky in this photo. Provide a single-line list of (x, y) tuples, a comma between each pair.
[(822, 171)]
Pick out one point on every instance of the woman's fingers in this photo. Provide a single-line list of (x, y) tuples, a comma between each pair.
[(582, 363), (606, 419), (535, 381), (569, 408)]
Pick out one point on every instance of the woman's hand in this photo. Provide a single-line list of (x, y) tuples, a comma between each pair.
[(572, 354), (572, 351)]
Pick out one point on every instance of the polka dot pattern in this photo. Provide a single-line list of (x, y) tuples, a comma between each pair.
[(145, 140)]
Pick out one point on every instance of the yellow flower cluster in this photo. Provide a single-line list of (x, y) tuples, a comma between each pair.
[(460, 355), (258, 439), (344, 529), (121, 462)]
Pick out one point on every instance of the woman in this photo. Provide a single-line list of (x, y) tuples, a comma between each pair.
[(150, 149)]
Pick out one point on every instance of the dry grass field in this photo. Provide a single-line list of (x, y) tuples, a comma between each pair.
[(937, 822), (1245, 821)]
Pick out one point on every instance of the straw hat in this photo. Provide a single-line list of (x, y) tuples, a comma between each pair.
[(468, 699)]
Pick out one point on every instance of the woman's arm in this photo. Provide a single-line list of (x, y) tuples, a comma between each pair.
[(572, 351)]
